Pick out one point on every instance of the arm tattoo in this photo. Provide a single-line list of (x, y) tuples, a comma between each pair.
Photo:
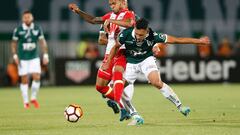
[(89, 18)]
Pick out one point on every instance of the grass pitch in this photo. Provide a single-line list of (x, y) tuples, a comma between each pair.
[(215, 111)]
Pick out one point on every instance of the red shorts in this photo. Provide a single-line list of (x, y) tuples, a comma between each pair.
[(118, 60)]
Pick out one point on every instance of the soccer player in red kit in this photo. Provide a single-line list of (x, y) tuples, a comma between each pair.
[(115, 21)]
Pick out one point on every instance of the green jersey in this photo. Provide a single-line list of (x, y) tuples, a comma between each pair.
[(138, 51), (27, 38)]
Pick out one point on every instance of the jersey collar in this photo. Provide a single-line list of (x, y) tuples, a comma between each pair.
[(25, 27), (133, 33), (123, 10)]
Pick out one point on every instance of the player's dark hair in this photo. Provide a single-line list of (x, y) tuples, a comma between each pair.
[(142, 24), (27, 12)]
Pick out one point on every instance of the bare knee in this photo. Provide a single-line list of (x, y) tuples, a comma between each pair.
[(157, 83), (24, 79), (101, 82), (36, 77), (118, 69)]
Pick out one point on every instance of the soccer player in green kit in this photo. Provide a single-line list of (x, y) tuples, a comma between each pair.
[(26, 55), (139, 41)]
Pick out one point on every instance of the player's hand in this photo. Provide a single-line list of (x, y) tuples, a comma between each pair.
[(73, 7), (15, 58), (106, 25), (205, 40), (45, 59), (157, 50)]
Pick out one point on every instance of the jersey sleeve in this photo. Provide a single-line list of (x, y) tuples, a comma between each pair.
[(106, 16), (130, 15), (41, 35), (15, 34), (137, 17), (160, 37)]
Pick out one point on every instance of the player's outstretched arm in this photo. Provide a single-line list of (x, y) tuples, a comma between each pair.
[(123, 23), (87, 17), (187, 40)]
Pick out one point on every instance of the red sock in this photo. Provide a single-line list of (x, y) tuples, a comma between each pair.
[(120, 105), (106, 90), (118, 85), (109, 94)]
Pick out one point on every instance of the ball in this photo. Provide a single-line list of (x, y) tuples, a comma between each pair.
[(73, 113)]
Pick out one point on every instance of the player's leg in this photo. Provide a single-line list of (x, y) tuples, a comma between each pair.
[(119, 64), (103, 78), (23, 73), (127, 102), (153, 75), (130, 76), (127, 97), (24, 90), (106, 90), (111, 103), (35, 89), (119, 68), (118, 84), (35, 70), (128, 110)]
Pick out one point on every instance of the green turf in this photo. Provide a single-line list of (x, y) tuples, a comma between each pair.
[(215, 111)]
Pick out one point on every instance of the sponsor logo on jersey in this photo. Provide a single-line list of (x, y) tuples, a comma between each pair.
[(137, 53), (22, 32), (129, 42), (162, 36)]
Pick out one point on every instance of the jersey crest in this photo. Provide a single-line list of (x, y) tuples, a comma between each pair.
[(35, 32)]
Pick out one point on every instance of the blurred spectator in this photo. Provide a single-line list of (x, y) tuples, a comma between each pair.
[(91, 51), (81, 48), (12, 73), (224, 48), (237, 48), (204, 51), (88, 50)]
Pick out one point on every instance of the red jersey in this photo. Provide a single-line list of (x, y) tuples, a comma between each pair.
[(125, 14)]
